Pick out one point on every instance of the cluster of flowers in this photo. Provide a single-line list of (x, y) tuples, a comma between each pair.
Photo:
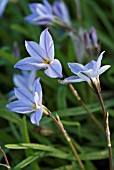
[(28, 91), (42, 57), (44, 14), (57, 14)]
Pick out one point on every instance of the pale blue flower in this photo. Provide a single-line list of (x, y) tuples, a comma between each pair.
[(90, 72), (43, 14), (3, 4), (24, 81), (42, 56), (28, 102), (61, 11)]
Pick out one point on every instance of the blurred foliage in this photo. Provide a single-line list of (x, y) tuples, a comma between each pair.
[(44, 147)]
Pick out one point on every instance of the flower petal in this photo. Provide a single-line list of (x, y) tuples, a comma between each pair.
[(31, 79), (19, 81), (89, 73), (42, 9), (72, 79), (35, 117), (83, 76), (103, 69), (19, 107), (25, 96), (12, 98), (47, 4), (54, 70), (31, 19), (60, 10), (44, 19), (99, 60), (46, 43), (3, 4), (29, 63), (76, 67), (37, 88), (33, 7), (35, 50), (91, 65), (26, 80)]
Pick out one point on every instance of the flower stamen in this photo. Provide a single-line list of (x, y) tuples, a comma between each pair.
[(47, 61)]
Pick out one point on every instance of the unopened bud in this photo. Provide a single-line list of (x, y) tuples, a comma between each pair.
[(93, 37)]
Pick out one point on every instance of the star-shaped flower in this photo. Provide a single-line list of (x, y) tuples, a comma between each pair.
[(42, 56), (28, 102), (90, 72), (41, 13), (46, 14)]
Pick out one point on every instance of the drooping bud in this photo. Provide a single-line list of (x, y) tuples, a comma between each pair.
[(93, 37), (91, 43)]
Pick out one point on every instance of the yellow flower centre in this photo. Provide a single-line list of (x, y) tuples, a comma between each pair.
[(35, 107), (47, 61)]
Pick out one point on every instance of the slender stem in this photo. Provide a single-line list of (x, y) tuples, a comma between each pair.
[(5, 157), (61, 127), (107, 131), (77, 4), (85, 107)]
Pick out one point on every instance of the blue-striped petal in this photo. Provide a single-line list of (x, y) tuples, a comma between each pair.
[(35, 117), (35, 50), (19, 107), (46, 43), (54, 70), (37, 88), (72, 79), (24, 96)]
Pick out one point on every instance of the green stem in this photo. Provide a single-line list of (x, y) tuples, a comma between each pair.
[(107, 131)]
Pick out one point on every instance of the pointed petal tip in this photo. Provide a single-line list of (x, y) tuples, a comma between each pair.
[(16, 65), (108, 66), (37, 80), (102, 52), (26, 41), (46, 29), (7, 106)]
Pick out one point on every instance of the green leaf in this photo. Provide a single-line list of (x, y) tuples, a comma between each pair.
[(97, 155), (32, 146), (70, 123), (7, 56), (76, 111), (61, 97), (102, 16), (20, 29), (28, 160), (6, 114), (25, 136)]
